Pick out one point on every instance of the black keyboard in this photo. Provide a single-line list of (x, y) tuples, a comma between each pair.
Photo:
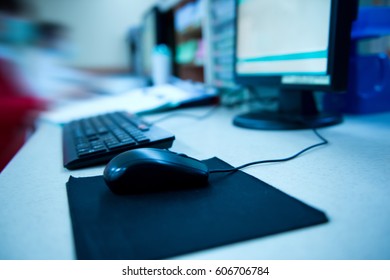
[(96, 140)]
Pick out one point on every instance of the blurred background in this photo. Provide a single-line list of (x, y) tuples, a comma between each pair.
[(98, 29), (56, 52)]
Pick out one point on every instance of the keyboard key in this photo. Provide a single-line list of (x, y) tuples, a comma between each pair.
[(128, 141), (142, 140), (121, 145), (83, 146), (137, 122)]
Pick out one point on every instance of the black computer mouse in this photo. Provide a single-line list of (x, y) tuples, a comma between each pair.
[(152, 170)]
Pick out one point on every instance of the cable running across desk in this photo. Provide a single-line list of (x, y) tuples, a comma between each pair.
[(186, 115), (323, 142)]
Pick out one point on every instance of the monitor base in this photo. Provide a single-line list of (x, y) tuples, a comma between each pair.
[(278, 121)]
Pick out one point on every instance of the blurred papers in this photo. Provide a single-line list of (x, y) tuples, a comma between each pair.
[(135, 101)]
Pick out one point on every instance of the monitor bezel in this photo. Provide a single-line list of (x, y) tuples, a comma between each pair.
[(152, 12), (342, 16)]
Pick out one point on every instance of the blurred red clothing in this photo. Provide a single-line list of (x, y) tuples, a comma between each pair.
[(18, 110)]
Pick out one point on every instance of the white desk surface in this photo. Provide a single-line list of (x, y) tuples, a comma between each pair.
[(349, 179)]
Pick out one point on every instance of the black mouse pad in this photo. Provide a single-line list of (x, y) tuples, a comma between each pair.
[(235, 207)]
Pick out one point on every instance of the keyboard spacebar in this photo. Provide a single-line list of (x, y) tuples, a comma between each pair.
[(89, 152), (120, 145)]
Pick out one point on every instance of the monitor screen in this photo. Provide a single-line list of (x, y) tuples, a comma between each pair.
[(299, 47)]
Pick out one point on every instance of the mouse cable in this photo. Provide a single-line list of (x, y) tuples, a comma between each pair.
[(186, 115), (323, 142)]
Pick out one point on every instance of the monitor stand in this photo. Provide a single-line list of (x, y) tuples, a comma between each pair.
[(297, 110)]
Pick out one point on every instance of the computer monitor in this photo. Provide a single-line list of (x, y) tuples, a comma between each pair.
[(189, 40), (134, 48), (157, 28), (299, 47)]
